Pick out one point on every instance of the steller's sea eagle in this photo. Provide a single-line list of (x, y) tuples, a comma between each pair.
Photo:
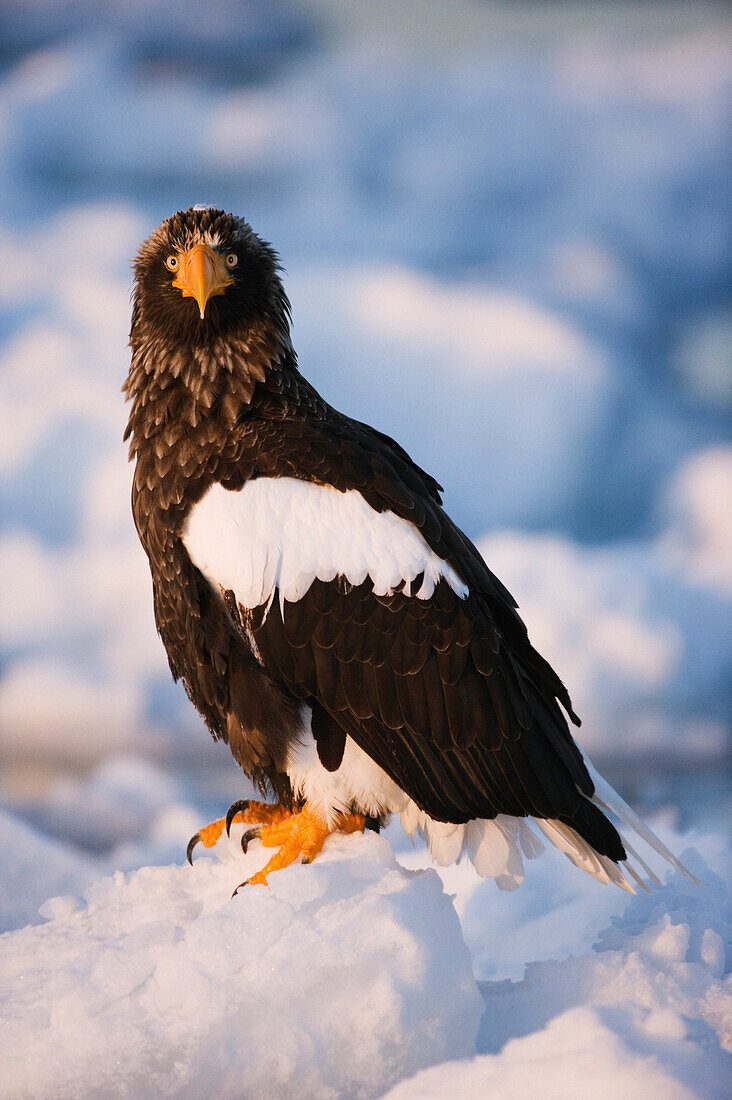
[(327, 618)]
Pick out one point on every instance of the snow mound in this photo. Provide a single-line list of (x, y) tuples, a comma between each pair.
[(575, 1055), (160, 984), (351, 976), (647, 1013)]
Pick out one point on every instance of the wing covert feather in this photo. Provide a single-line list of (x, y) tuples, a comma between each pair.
[(403, 682)]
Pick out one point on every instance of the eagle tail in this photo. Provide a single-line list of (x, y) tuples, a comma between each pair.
[(498, 846), (607, 799)]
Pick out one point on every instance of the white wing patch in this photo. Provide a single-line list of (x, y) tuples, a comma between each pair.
[(282, 533)]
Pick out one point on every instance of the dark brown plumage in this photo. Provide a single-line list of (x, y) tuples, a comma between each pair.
[(446, 693)]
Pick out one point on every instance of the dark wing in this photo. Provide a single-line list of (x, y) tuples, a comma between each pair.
[(446, 694), (430, 690)]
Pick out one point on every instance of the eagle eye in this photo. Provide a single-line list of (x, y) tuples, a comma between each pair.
[(232, 259), (172, 263)]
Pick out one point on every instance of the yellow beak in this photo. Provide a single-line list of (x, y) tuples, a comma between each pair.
[(202, 275)]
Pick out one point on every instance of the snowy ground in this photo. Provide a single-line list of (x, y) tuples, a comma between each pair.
[(506, 231), (354, 974)]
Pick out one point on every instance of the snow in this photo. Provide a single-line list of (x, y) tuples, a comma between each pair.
[(648, 1012), (353, 975), (334, 978), (505, 231), (575, 1055)]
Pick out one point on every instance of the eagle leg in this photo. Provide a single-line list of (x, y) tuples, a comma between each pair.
[(244, 811), (301, 835)]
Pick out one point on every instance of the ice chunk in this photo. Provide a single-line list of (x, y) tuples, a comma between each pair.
[(646, 1013)]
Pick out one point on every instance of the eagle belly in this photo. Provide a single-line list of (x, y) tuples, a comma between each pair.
[(358, 784)]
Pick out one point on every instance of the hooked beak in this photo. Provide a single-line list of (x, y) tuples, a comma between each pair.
[(202, 275)]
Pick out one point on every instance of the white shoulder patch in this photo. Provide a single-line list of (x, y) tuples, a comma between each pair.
[(282, 533)]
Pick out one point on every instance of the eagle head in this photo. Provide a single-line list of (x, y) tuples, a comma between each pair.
[(204, 274)]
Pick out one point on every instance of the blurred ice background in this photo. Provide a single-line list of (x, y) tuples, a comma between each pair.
[(506, 230)]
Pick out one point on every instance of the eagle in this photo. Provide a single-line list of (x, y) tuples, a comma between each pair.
[(327, 618)]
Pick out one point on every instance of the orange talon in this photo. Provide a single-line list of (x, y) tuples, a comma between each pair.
[(259, 812), (206, 836), (211, 833), (300, 835)]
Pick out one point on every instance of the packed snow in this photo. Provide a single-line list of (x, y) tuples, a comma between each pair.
[(647, 1013), (353, 975), (335, 980), (505, 230)]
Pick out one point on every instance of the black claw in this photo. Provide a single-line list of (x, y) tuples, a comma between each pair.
[(234, 809), (244, 883), (191, 845), (248, 836)]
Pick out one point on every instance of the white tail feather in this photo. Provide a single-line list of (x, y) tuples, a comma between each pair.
[(510, 828), (531, 846), (496, 847), (581, 853), (639, 859), (445, 841), (508, 882), (608, 799), (615, 874), (488, 848), (634, 875), (410, 816)]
